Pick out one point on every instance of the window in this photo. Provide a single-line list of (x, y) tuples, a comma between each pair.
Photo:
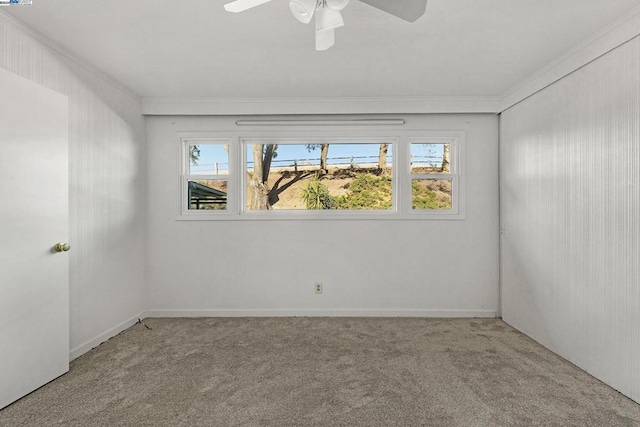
[(205, 181), (285, 176), (319, 175), (432, 181)]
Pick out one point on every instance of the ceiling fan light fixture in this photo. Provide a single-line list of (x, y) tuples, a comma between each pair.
[(327, 18), (337, 4), (303, 10), (325, 38)]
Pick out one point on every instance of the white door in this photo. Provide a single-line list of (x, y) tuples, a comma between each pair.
[(34, 280)]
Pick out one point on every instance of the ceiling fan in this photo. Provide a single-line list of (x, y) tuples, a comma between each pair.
[(329, 17)]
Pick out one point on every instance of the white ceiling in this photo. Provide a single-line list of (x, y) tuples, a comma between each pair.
[(194, 49)]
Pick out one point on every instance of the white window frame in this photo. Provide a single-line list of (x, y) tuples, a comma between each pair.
[(453, 175), (402, 177), (185, 177), (317, 214)]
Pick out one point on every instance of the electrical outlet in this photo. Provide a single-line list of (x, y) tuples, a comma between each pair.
[(317, 287)]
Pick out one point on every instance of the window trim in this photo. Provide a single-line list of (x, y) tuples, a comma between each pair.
[(185, 177), (326, 214), (453, 175), (401, 141)]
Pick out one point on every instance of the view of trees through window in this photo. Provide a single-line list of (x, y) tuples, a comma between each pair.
[(319, 176)]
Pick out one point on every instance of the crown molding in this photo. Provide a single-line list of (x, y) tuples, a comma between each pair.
[(614, 35), (283, 106), (66, 54)]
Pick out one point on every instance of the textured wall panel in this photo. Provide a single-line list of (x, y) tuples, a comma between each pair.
[(570, 214), (107, 184)]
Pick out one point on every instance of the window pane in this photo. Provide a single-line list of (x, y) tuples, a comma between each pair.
[(430, 158), (431, 194), (339, 176), (208, 159), (207, 195)]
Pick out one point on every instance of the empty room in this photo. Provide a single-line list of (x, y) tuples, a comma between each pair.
[(320, 213)]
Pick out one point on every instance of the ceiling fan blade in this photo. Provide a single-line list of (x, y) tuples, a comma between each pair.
[(409, 10), (242, 5)]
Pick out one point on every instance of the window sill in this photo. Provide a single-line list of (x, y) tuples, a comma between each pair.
[(274, 215)]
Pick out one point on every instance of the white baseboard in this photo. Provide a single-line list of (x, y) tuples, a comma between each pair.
[(321, 313), (78, 351)]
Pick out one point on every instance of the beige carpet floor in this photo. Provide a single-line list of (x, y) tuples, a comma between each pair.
[(322, 372)]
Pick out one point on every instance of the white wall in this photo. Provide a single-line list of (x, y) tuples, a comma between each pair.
[(369, 267), (570, 213), (107, 186)]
